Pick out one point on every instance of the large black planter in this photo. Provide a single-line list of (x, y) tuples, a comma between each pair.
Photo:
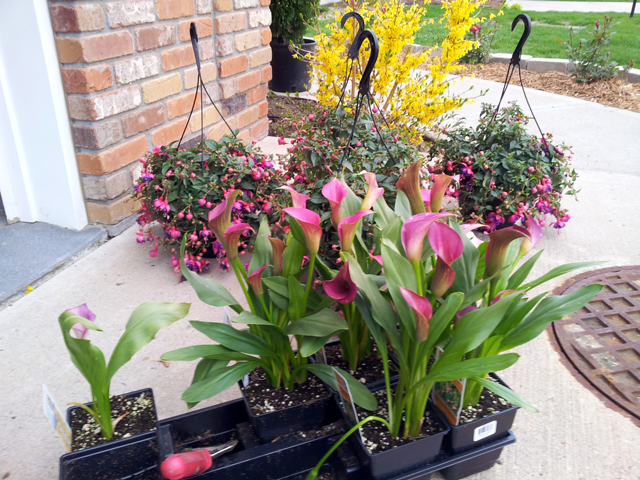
[(290, 74), (463, 438), (306, 416)]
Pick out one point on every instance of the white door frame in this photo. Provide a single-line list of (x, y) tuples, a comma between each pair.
[(39, 177)]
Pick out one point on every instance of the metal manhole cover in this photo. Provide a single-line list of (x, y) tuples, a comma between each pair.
[(602, 340)]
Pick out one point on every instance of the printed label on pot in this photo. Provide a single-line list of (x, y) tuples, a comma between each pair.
[(321, 357), (245, 381), (485, 431), (55, 419), (226, 318), (346, 398)]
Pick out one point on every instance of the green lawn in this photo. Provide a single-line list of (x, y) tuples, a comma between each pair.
[(625, 44)]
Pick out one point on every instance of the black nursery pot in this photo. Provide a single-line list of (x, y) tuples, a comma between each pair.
[(290, 74), (306, 416), (480, 432)]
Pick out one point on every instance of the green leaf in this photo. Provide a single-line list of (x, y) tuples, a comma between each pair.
[(442, 319), (399, 273), (465, 266), (556, 272), (403, 207), (521, 274), (248, 318), (513, 319), (278, 285), (310, 345), (188, 354), (217, 381), (262, 254), (236, 340), (361, 394), (208, 290), (204, 367), (549, 309), (392, 231), (281, 302), (292, 257), (383, 213), (297, 307), (325, 322), (144, 323), (506, 393), (470, 368)]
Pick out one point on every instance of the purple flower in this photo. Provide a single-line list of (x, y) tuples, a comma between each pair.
[(83, 311), (341, 288)]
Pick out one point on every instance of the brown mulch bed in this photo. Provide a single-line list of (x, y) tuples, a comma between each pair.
[(284, 110), (614, 93)]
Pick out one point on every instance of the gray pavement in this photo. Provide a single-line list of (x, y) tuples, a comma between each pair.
[(549, 6), (574, 437)]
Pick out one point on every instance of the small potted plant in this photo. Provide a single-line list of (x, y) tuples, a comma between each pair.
[(280, 394), (289, 19), (107, 418)]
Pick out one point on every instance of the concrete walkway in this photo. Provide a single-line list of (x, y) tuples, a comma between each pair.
[(574, 437), (542, 6)]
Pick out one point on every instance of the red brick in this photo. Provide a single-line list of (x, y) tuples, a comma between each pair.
[(267, 74), (104, 105), (169, 133), (131, 12), (98, 135), (225, 46), (228, 88), (168, 9), (221, 129), (177, 58), (263, 109), (157, 36), (87, 80), (107, 187), (223, 5), (245, 136), (247, 40), (260, 57), (248, 80), (248, 116), (112, 212), (266, 36), (233, 65), (94, 48), (142, 120), (82, 18), (234, 22), (204, 26), (265, 3), (178, 106), (113, 159), (259, 129), (256, 94)]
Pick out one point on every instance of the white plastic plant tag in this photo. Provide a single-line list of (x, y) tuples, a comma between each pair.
[(346, 398), (321, 357), (226, 318), (56, 420), (245, 381), (485, 431)]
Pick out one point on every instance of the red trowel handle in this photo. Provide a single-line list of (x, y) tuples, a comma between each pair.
[(183, 465)]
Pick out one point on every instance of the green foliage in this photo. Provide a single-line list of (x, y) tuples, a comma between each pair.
[(484, 34), (144, 323), (504, 170), (289, 19)]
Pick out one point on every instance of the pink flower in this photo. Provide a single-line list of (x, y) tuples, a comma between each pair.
[(281, 141), (299, 199), (448, 246), (422, 310), (341, 288), (311, 117), (413, 233), (220, 217), (535, 234), (373, 192), (347, 228), (310, 223), (232, 237), (440, 187), (277, 247), (499, 241), (255, 280), (335, 192), (189, 216), (83, 311), (409, 184), (202, 201)]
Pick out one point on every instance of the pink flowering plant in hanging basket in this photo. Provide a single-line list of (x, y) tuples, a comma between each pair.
[(178, 190)]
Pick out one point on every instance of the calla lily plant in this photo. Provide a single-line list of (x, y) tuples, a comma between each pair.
[(282, 304), (144, 323)]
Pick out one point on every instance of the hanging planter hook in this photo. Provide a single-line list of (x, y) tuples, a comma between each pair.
[(517, 54), (365, 81), (353, 51)]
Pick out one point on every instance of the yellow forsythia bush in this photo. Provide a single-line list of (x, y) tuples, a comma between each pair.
[(411, 100)]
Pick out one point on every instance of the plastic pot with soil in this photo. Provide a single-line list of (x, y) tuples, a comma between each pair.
[(274, 412), (291, 74)]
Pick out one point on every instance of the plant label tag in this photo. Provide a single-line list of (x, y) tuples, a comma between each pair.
[(346, 398), (449, 396), (56, 420), (245, 381), (321, 357), (226, 318), (485, 431)]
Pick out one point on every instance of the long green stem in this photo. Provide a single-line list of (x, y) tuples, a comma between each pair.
[(316, 470), (239, 274), (312, 262)]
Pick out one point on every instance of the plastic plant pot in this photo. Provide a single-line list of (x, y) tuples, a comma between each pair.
[(480, 432), (306, 416), (291, 74)]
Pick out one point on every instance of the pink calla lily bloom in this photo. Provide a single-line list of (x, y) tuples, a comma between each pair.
[(255, 280), (535, 232), (497, 249), (373, 192), (220, 217), (468, 227), (448, 246), (83, 311), (232, 237), (423, 311), (426, 198), (413, 233), (409, 184), (299, 199), (377, 258), (277, 247), (440, 186), (347, 228), (335, 191), (341, 288), (310, 223)]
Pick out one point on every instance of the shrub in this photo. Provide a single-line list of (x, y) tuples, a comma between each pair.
[(290, 18), (178, 191), (482, 34), (505, 173)]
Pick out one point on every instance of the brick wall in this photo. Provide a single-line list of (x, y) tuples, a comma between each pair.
[(129, 73)]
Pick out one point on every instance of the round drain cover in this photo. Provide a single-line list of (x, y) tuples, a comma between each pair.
[(602, 340)]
